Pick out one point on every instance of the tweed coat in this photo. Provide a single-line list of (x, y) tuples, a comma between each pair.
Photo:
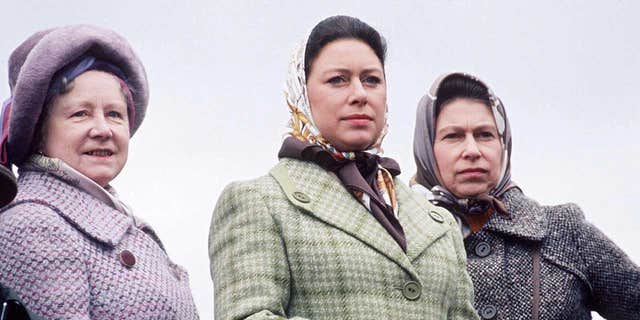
[(296, 244), (64, 253), (580, 268)]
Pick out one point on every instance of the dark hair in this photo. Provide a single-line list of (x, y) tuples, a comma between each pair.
[(342, 27), (460, 86)]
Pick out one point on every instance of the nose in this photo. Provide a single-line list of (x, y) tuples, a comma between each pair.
[(358, 93), (471, 150), (100, 129)]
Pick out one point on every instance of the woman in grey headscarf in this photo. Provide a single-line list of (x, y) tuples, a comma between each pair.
[(527, 261)]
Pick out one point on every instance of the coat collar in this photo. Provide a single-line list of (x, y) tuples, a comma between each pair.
[(321, 194), (526, 218), (83, 211)]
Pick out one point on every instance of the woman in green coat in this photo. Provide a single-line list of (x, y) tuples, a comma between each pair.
[(330, 233)]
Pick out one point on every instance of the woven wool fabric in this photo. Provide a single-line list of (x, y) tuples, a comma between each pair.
[(329, 258), (581, 269), (60, 250)]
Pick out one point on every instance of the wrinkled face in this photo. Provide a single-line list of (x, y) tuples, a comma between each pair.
[(88, 127), (348, 94), (467, 148)]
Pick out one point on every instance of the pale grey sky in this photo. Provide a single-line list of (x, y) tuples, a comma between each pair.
[(566, 71)]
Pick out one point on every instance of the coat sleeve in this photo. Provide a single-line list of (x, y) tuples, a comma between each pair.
[(42, 262), (247, 255), (462, 300), (614, 278)]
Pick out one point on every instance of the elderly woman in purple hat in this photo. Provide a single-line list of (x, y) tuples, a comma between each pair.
[(70, 247)]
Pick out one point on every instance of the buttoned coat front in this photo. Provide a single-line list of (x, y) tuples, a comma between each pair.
[(63, 252), (296, 244), (580, 269)]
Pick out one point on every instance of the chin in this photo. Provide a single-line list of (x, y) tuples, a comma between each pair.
[(101, 179), (470, 192)]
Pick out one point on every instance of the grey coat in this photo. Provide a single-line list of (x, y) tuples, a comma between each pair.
[(580, 268)]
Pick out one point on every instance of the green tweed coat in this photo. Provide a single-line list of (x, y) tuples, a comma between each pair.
[(296, 244)]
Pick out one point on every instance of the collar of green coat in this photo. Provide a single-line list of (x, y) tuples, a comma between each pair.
[(85, 212), (526, 218), (321, 194)]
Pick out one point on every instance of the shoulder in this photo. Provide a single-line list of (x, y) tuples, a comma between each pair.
[(267, 187), (248, 191), (422, 195), (567, 213), (25, 218)]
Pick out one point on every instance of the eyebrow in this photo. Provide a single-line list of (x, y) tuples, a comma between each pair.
[(347, 70), (479, 127)]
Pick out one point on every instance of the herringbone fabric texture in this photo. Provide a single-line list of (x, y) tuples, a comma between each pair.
[(581, 269), (60, 251), (328, 258)]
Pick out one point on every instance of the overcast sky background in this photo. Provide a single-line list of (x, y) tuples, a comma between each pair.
[(567, 72)]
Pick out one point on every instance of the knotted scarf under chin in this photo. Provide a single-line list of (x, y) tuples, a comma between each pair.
[(362, 176), (475, 211)]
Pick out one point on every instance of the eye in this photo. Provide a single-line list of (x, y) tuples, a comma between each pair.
[(372, 80), (451, 136), (114, 114), (337, 80), (486, 135), (79, 114)]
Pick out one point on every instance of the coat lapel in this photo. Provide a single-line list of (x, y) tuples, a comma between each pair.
[(330, 202), (86, 213), (526, 218), (422, 222)]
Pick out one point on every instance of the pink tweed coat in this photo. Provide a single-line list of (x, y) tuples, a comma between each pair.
[(70, 256)]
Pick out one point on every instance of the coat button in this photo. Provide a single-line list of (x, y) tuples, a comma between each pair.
[(127, 258), (301, 197), (411, 290), (482, 249), (436, 216), (488, 312)]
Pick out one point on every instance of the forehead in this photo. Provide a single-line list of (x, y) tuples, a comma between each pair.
[(464, 111), (93, 85), (346, 52)]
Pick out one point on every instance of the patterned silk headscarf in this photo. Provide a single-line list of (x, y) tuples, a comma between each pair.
[(427, 169), (303, 128)]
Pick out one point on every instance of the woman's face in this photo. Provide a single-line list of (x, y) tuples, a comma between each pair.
[(88, 127), (348, 94), (467, 148)]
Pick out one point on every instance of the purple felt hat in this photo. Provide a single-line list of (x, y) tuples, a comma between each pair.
[(34, 63)]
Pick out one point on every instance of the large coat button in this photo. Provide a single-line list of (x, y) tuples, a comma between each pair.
[(127, 258), (436, 216), (488, 312), (412, 290), (482, 249), (300, 196)]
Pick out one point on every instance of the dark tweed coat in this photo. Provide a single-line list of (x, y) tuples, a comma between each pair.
[(580, 268)]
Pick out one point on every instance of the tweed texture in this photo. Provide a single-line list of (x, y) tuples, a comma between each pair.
[(60, 253), (581, 269), (275, 258)]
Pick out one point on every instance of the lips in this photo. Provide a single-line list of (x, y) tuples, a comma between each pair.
[(357, 117), (473, 170)]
